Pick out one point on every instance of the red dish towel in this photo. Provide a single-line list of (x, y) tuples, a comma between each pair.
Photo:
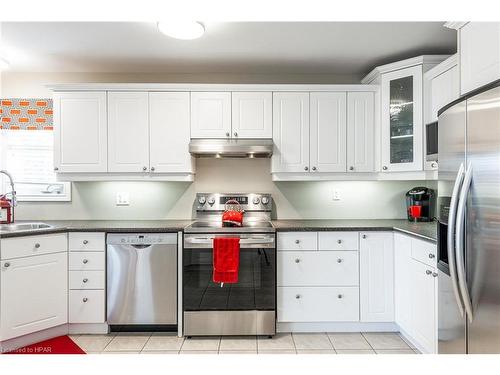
[(226, 259)]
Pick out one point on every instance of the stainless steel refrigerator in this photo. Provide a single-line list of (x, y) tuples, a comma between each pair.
[(469, 224)]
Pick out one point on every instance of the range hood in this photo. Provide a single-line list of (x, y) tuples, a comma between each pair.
[(231, 148)]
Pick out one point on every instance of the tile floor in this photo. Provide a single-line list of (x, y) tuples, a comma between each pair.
[(282, 343)]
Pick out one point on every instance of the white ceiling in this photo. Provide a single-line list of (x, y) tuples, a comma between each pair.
[(261, 48)]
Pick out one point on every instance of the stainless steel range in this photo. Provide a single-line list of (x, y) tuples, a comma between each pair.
[(249, 306)]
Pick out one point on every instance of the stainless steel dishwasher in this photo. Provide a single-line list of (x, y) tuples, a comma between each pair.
[(142, 279)]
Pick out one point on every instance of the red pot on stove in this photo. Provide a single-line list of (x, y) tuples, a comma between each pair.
[(233, 214)]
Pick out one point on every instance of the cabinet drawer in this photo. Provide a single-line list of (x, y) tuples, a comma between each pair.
[(424, 252), (86, 261), (291, 241), (338, 240), (318, 304), (307, 268), (86, 280), (18, 247), (87, 241), (86, 306)]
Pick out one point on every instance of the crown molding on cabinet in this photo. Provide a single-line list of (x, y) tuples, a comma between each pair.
[(442, 67), (456, 25)]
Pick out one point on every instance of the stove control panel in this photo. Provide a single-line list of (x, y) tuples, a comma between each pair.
[(248, 202)]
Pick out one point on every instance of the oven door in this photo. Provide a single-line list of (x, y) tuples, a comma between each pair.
[(246, 307)]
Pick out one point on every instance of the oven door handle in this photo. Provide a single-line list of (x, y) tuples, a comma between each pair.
[(243, 241)]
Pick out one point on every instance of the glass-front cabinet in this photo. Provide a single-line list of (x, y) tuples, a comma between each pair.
[(401, 126)]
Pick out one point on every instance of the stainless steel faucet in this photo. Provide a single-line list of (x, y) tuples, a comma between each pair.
[(13, 201)]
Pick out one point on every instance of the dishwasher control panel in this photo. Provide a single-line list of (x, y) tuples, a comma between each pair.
[(140, 238)]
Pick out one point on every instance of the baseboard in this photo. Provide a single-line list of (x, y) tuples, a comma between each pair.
[(88, 328), (337, 327), (33, 338)]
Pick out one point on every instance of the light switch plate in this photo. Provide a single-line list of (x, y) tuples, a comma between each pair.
[(336, 195), (122, 198)]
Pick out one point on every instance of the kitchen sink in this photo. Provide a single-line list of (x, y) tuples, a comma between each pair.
[(23, 226)]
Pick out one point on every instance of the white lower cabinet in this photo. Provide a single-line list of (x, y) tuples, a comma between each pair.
[(318, 304), (402, 280), (33, 294), (376, 281)]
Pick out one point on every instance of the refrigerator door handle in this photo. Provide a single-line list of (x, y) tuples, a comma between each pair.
[(459, 239), (451, 237)]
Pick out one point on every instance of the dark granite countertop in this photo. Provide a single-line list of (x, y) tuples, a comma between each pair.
[(426, 231)]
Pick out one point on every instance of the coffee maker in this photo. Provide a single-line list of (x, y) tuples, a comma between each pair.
[(420, 204)]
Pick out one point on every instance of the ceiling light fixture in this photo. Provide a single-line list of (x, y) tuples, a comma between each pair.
[(182, 29)]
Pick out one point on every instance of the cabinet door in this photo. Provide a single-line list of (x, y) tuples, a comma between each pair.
[(128, 132), (402, 281), (34, 294), (376, 276), (479, 54), (210, 114), (169, 132), (328, 132), (80, 132), (252, 114), (290, 132), (360, 131), (401, 124), (444, 90), (423, 313)]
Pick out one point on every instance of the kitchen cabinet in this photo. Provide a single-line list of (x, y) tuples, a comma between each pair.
[(376, 280), (290, 132), (33, 294), (210, 114), (328, 128), (128, 132), (360, 131), (169, 134), (401, 122), (402, 280), (479, 51), (252, 115), (80, 132)]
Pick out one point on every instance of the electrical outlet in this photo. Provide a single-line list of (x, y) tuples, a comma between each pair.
[(336, 195), (122, 198)]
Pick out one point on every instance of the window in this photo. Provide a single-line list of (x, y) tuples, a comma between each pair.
[(28, 156)]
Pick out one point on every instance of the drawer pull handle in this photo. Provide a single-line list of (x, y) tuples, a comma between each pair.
[(297, 296), (432, 256), (340, 296), (428, 272), (339, 241), (6, 264), (85, 299), (351, 168), (363, 236), (37, 246), (339, 260), (434, 274), (297, 241), (85, 280), (85, 261), (85, 242), (297, 260)]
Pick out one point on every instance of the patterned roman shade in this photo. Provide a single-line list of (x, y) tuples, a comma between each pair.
[(26, 114)]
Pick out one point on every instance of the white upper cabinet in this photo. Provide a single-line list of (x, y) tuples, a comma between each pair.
[(252, 115), (444, 90), (376, 276), (128, 132), (80, 131), (328, 132), (210, 114), (360, 131), (479, 50), (169, 133), (401, 121), (290, 132)]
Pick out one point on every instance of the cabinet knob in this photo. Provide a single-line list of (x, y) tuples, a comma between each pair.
[(314, 168), (144, 168), (228, 134), (428, 272), (85, 261), (384, 167), (339, 260), (235, 134), (434, 274), (56, 169), (152, 169), (363, 236), (351, 168), (297, 241), (6, 264), (297, 260), (339, 241), (297, 296), (85, 280), (85, 242), (431, 256), (434, 165), (339, 296), (37, 246), (306, 168), (85, 299)]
